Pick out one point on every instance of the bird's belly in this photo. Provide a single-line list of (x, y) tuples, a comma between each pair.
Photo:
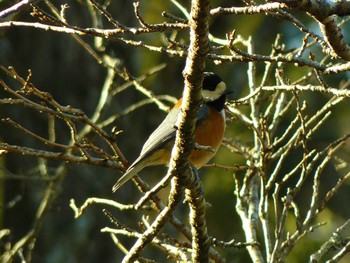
[(208, 133), (161, 156), (216, 125)]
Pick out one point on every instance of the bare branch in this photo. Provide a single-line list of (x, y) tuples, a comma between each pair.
[(16, 8)]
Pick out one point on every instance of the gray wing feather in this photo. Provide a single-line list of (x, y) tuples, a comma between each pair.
[(165, 132)]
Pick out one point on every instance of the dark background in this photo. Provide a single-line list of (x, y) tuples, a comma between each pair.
[(62, 67)]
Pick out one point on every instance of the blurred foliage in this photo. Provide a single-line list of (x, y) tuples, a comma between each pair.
[(62, 67)]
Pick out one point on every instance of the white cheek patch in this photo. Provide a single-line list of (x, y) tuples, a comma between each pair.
[(220, 88), (214, 94), (207, 94)]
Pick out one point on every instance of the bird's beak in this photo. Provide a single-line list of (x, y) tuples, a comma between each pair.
[(228, 91)]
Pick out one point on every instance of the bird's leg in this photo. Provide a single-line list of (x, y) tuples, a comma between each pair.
[(204, 148)]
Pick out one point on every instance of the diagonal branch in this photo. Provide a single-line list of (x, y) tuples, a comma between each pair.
[(16, 8)]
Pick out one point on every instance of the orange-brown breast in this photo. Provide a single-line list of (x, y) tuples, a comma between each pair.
[(209, 132)]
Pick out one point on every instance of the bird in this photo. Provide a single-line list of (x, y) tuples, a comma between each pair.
[(209, 131)]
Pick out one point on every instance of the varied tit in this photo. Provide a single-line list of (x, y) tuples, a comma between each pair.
[(209, 131)]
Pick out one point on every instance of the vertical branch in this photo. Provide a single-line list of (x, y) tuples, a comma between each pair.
[(253, 204), (179, 165), (197, 204), (195, 64), (248, 199)]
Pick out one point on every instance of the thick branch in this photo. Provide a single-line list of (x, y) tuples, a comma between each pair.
[(195, 65), (323, 11)]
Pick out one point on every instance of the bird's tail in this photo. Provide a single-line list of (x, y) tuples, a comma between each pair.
[(130, 173)]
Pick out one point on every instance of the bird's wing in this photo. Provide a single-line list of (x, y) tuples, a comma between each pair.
[(157, 140), (161, 136), (202, 113), (165, 132)]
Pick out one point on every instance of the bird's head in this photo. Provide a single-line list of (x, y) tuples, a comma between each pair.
[(213, 87)]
